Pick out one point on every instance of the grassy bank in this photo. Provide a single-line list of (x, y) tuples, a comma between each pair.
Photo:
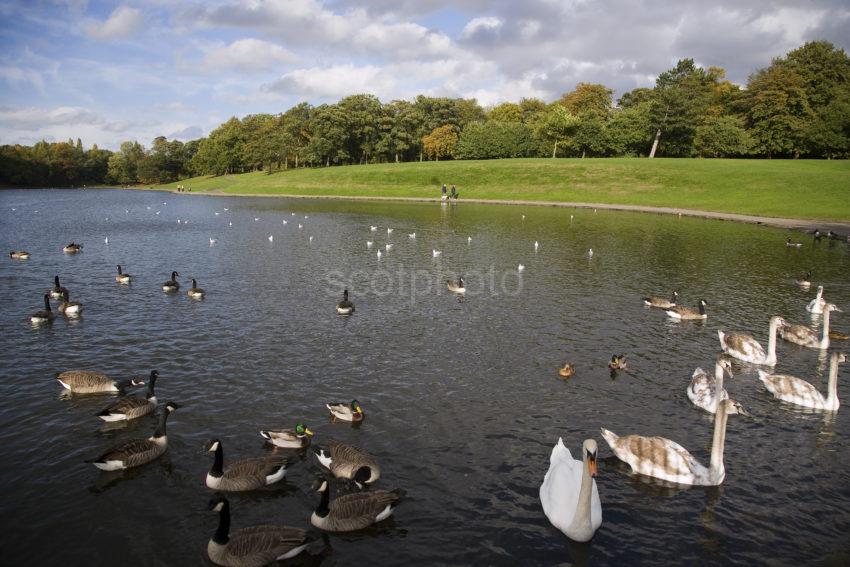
[(804, 189)]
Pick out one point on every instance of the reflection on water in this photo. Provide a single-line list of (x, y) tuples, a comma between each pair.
[(461, 393)]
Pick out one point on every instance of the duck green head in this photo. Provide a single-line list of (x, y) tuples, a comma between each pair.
[(301, 429), (355, 406)]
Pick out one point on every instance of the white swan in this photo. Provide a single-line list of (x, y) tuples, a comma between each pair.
[(707, 391), (816, 305), (806, 336), (744, 347), (799, 392), (568, 493), (661, 458)]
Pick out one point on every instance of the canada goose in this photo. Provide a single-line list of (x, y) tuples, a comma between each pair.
[(688, 314), (569, 495), (618, 362), (356, 511), (799, 392), (346, 412), (744, 347), (790, 244), (660, 302), (253, 546), (88, 382), (707, 391), (45, 314), (806, 336), (351, 463), (172, 284), (132, 407), (298, 438), (195, 292), (57, 291), (665, 459), (345, 307), (456, 286), (805, 282), (566, 370), (122, 278), (247, 474), (816, 305), (72, 248), (19, 255), (68, 307), (136, 452)]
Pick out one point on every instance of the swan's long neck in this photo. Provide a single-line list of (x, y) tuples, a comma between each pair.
[(771, 342), (582, 518), (824, 341), (832, 387), (718, 380), (716, 471)]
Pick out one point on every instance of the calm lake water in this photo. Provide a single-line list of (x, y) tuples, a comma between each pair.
[(462, 399)]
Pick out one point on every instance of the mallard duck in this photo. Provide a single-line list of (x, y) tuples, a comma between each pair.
[(136, 452), (618, 362), (660, 302), (195, 292), (88, 382), (569, 495), (253, 546), (806, 336), (247, 474), (347, 462), (456, 286), (132, 407), (688, 314), (707, 391), (355, 511), (122, 278), (566, 370), (801, 393), (816, 305), (345, 307), (57, 291), (346, 412), (72, 248), (298, 438), (665, 459), (790, 244), (45, 314), (805, 282), (68, 307), (172, 284), (19, 255), (744, 347)]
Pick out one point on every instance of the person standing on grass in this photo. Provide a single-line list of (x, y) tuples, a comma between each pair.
[(443, 197), (454, 192)]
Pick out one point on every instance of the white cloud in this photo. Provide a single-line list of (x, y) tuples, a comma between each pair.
[(123, 22), (248, 56), (331, 82), (477, 26)]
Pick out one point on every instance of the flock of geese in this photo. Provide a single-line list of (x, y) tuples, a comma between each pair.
[(569, 493)]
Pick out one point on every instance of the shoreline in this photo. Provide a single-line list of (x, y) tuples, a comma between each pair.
[(788, 223)]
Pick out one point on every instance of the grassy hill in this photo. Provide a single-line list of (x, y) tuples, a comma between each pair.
[(805, 189)]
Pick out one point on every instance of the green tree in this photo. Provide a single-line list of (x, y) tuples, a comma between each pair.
[(556, 126), (440, 143), (506, 112), (588, 98), (778, 111), (493, 139), (721, 136)]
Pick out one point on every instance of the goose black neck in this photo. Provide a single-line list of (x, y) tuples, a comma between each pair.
[(701, 308), (119, 269), (151, 383), (323, 508), (47, 303), (194, 283), (56, 281), (222, 533), (160, 429), (217, 469), (345, 295)]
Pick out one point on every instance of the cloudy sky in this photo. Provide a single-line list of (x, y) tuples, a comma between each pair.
[(108, 72)]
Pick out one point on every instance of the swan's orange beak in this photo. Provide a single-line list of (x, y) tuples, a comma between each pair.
[(591, 464)]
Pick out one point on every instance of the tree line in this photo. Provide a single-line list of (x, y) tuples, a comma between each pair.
[(797, 107)]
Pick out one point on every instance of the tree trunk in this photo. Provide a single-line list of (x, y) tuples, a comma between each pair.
[(655, 144), (582, 154), (420, 155), (555, 150), (396, 157), (328, 162)]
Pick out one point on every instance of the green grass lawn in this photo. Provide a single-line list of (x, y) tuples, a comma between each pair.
[(805, 189)]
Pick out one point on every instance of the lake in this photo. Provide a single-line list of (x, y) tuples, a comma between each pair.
[(462, 399)]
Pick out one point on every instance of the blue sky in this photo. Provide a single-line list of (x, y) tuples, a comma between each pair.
[(108, 72)]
